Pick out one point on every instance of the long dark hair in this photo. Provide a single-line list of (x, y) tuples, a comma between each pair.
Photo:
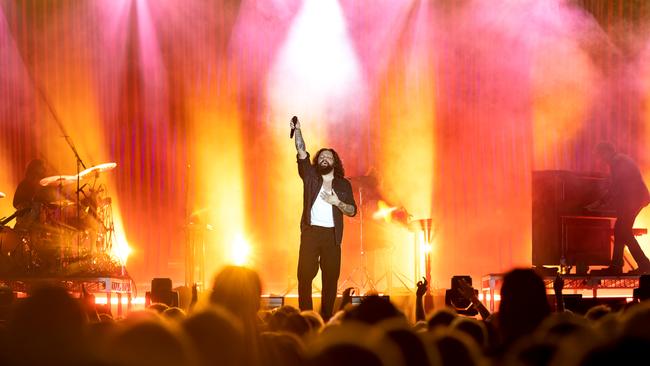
[(338, 164), (35, 169)]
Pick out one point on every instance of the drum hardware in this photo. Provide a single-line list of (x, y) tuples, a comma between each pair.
[(61, 235), (9, 240), (41, 235), (5, 221)]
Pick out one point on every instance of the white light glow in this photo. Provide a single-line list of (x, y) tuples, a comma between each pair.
[(240, 251), (125, 301), (488, 297), (120, 248), (316, 72), (383, 211)]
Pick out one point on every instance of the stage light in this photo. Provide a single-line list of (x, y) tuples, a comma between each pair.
[(240, 251), (161, 292), (99, 300), (120, 247), (384, 211), (423, 233), (121, 250), (316, 73), (488, 297)]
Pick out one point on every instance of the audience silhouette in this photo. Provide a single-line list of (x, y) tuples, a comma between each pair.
[(51, 327)]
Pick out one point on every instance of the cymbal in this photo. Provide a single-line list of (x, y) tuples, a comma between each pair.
[(58, 180), (2, 195), (97, 169)]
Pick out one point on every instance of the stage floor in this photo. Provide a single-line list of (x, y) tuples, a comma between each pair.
[(103, 288), (597, 286)]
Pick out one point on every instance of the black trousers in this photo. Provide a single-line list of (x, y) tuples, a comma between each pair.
[(623, 235), (318, 247)]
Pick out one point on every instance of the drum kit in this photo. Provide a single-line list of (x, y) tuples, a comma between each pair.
[(68, 231)]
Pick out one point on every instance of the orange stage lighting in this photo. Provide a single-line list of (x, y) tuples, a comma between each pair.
[(383, 211), (240, 251)]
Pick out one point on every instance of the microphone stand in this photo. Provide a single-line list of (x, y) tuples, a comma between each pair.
[(79, 162)]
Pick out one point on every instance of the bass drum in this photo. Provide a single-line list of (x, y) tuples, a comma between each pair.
[(9, 241)]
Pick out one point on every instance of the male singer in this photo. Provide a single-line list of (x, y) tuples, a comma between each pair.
[(327, 196)]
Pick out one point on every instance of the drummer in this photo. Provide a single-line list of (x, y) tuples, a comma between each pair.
[(31, 195), (29, 189)]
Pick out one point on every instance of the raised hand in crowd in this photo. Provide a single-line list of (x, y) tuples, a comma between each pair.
[(346, 297), (422, 287), (558, 286), (468, 292), (195, 296)]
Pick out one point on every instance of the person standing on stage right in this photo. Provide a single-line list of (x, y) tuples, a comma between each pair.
[(628, 195)]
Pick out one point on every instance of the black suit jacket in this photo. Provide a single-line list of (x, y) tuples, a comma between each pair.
[(311, 183)]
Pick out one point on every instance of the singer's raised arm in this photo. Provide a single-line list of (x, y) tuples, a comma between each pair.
[(300, 143)]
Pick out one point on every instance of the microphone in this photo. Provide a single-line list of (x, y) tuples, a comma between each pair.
[(294, 120)]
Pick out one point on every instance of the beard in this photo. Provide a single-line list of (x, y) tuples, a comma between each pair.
[(325, 169)]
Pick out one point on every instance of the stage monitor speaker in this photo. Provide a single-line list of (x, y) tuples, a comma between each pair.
[(455, 300), (161, 292), (159, 285)]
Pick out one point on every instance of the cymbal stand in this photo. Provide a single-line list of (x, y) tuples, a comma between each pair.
[(391, 273), (80, 162), (195, 249), (64, 245), (292, 283), (366, 279)]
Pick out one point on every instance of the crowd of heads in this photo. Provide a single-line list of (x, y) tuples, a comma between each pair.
[(52, 327)]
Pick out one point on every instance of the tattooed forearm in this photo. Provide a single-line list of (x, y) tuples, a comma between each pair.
[(346, 209), (300, 143)]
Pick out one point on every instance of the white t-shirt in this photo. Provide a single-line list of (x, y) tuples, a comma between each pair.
[(321, 212)]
